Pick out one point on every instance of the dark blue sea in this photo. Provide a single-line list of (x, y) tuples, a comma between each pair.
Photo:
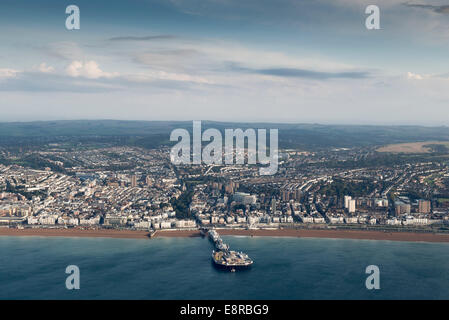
[(181, 268)]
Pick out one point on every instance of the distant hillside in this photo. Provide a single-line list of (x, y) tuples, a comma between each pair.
[(154, 133)]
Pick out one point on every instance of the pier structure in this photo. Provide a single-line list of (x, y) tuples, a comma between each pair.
[(223, 257), (217, 241)]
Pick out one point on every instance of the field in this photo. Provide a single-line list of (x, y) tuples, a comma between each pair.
[(415, 147), (153, 134)]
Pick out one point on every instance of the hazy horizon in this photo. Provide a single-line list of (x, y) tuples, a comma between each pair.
[(236, 122)]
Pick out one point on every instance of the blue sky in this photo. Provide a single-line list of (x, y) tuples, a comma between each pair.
[(226, 60)]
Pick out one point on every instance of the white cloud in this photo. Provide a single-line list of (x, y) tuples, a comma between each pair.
[(414, 76), (88, 69), (44, 68), (180, 77), (8, 73), (150, 76)]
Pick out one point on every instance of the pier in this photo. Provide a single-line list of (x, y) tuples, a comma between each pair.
[(217, 241), (225, 258)]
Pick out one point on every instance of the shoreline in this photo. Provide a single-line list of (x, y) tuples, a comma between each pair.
[(76, 233), (342, 234), (296, 233)]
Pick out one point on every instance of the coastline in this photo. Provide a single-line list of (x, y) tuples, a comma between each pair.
[(297, 233), (78, 233), (342, 234)]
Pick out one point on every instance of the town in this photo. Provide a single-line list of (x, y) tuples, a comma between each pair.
[(62, 186)]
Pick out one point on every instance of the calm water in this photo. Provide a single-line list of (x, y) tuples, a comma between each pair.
[(180, 268)]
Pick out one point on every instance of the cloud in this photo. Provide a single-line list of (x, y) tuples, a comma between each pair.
[(51, 82), (8, 73), (88, 69), (303, 73), (87, 77), (145, 38), (217, 57), (434, 76), (443, 9), (44, 68), (414, 76), (162, 75)]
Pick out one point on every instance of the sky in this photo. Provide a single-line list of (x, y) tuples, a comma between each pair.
[(295, 61)]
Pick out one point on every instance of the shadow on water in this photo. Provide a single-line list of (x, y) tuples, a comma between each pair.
[(223, 269)]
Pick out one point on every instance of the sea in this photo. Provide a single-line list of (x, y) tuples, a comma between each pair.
[(181, 268)]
